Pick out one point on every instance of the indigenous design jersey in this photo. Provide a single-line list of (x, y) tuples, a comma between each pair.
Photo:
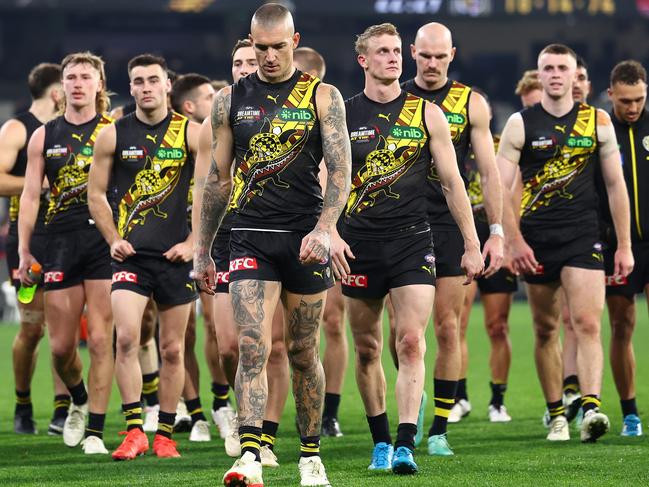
[(390, 159), (559, 202), (453, 99), (68, 151), (152, 171), (633, 140), (278, 152), (19, 168), (475, 188)]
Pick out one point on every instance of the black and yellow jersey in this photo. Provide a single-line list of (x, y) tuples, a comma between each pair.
[(633, 141), (557, 163), (453, 99), (68, 152), (390, 160), (476, 198), (151, 174), (278, 150), (19, 168)]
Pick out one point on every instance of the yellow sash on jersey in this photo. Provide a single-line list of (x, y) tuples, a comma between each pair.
[(455, 107), (269, 153), (391, 159), (157, 180), (569, 160), (71, 183)]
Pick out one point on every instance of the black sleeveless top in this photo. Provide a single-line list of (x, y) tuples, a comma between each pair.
[(557, 163), (19, 169), (278, 151), (151, 175), (453, 99), (390, 160), (68, 152)]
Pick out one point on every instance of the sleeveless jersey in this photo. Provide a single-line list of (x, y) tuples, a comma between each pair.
[(19, 168), (476, 198), (453, 99), (559, 202), (278, 151), (390, 160), (151, 174), (68, 151)]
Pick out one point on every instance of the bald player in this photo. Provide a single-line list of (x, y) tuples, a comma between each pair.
[(467, 113), (310, 61)]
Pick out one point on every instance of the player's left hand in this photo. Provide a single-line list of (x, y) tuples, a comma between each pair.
[(494, 250), (315, 247), (472, 263), (624, 262), (181, 252)]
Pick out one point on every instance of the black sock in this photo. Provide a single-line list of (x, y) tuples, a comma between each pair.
[(590, 401), (556, 408), (61, 405), (628, 406), (133, 414), (331, 403), (79, 393), (497, 394), (95, 425), (445, 393), (310, 446), (150, 384), (571, 384), (166, 423), (461, 390), (195, 410), (406, 436), (250, 439), (380, 428), (24, 403), (269, 433), (221, 393)]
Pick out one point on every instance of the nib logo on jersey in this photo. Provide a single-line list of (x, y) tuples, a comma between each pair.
[(355, 280), (574, 141), (57, 151), (133, 153), (170, 153), (413, 133), (363, 135), (455, 118), (296, 114), (124, 276), (249, 114), (243, 264)]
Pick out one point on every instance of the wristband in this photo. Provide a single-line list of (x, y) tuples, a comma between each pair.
[(496, 229)]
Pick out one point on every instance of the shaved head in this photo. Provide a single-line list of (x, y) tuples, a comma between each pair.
[(435, 32), (271, 16)]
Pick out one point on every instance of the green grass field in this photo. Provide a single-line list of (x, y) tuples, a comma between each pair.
[(499, 454)]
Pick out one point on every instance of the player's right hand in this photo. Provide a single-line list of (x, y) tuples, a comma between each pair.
[(472, 264), (121, 249), (340, 250), (523, 259), (204, 273), (26, 262)]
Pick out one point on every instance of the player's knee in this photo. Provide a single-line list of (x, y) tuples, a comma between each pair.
[(368, 351), (302, 358), (447, 333), (100, 342), (622, 329), (410, 347), (545, 333), (586, 325), (30, 335), (62, 351), (172, 353), (497, 329), (277, 350)]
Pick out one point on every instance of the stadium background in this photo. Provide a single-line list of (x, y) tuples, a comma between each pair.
[(497, 40)]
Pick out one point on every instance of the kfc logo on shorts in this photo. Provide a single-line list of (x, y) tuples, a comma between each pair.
[(222, 277), (355, 280), (124, 276), (243, 264), (614, 281), (54, 276)]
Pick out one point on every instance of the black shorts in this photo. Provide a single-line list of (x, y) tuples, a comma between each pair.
[(449, 248), (381, 265), (168, 282), (274, 256), (221, 258), (75, 256), (502, 281), (37, 247), (584, 253), (635, 282)]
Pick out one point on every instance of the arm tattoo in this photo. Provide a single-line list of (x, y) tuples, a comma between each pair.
[(337, 154), (308, 374), (216, 191), (251, 386)]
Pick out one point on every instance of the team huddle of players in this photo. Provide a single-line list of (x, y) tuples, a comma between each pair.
[(289, 208)]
